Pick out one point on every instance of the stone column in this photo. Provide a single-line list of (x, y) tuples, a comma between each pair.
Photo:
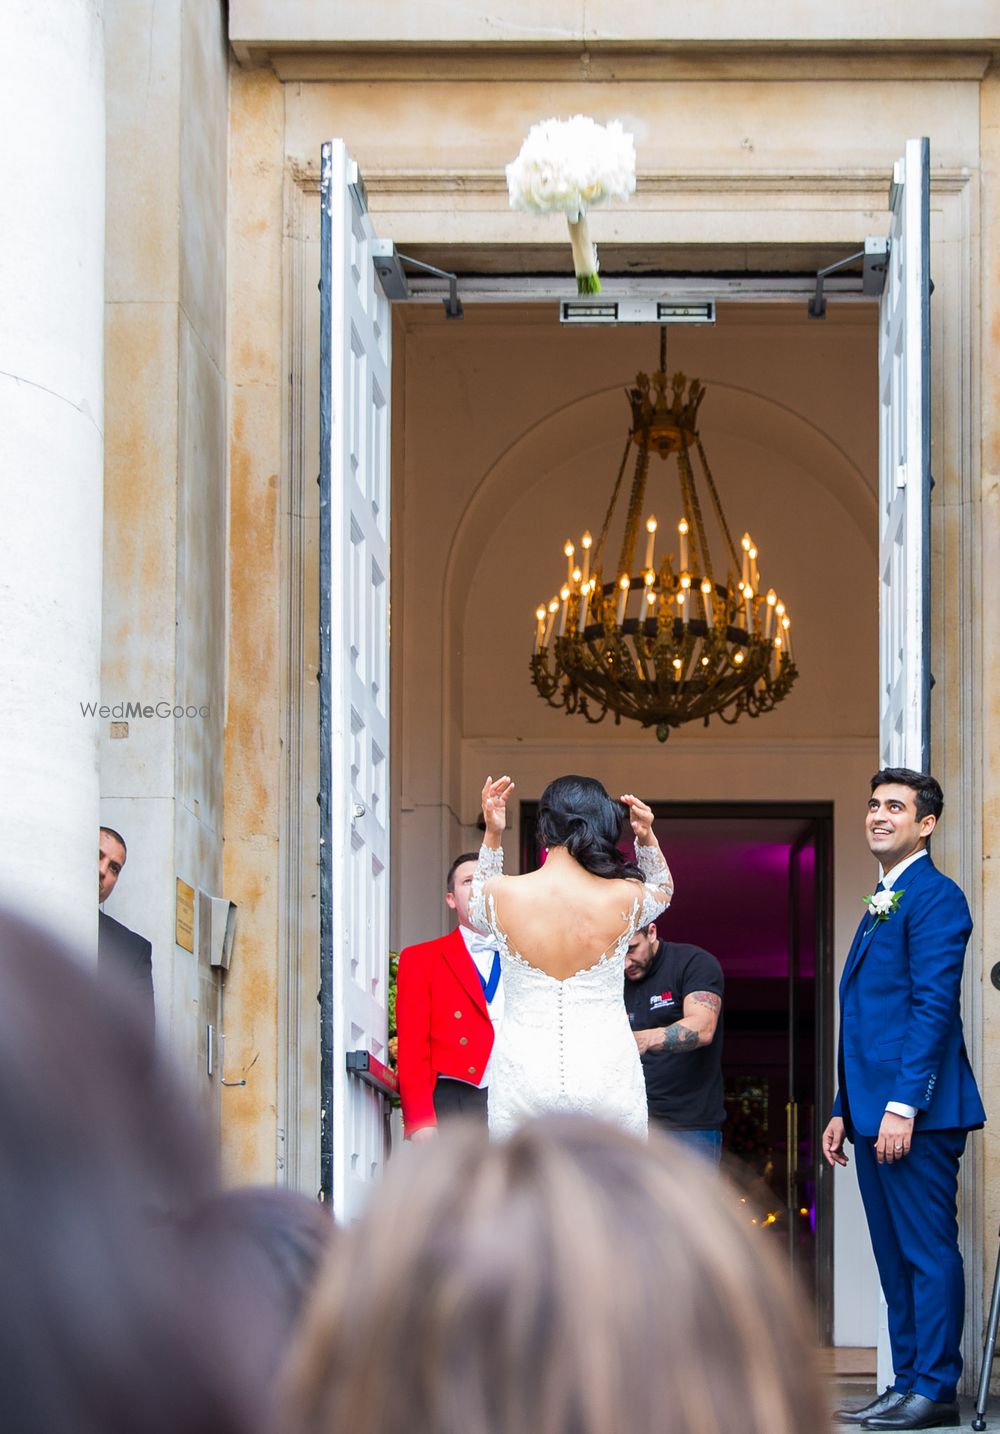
[(51, 457)]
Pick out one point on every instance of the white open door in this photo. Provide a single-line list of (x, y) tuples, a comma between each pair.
[(905, 470), (904, 359), (354, 688)]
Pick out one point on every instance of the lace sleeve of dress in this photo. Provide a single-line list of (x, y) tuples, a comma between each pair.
[(490, 864), (658, 884)]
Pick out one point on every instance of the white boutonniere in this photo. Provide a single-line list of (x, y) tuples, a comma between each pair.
[(882, 904)]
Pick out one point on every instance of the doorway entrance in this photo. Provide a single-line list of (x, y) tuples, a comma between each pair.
[(754, 886)]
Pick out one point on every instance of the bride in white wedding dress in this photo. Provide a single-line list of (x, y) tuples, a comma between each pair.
[(565, 1042)]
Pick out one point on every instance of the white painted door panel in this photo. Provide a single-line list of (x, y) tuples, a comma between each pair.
[(904, 470), (355, 355)]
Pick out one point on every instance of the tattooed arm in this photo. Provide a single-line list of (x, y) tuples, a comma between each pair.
[(696, 1027)]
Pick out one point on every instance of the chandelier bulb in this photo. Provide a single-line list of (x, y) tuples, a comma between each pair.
[(540, 612), (586, 541), (650, 578), (746, 541), (738, 659), (577, 575), (568, 548)]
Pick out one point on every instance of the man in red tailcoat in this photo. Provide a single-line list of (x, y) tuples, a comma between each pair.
[(449, 995)]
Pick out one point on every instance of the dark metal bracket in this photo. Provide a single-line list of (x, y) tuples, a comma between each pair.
[(875, 255), (389, 266)]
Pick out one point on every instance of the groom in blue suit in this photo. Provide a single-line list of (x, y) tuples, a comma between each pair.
[(908, 1099)]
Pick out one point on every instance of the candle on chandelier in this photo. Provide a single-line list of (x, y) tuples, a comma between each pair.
[(754, 575), (748, 607), (772, 598), (678, 667), (586, 543), (777, 653), (584, 604), (682, 611), (786, 623), (706, 597), (746, 544), (553, 609), (569, 550), (682, 533), (651, 540), (540, 626), (564, 595), (623, 587), (576, 575)]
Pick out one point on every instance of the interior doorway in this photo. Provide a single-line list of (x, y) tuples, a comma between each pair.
[(754, 886)]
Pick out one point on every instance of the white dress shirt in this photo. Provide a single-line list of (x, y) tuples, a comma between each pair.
[(889, 879), (482, 949)]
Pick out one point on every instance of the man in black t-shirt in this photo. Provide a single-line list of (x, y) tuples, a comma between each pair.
[(673, 995)]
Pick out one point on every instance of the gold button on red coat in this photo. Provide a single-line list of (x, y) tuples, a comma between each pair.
[(464, 1041), (472, 1070), (458, 1015)]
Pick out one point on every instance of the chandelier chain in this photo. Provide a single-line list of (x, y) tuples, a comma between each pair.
[(634, 515), (599, 546), (717, 505)]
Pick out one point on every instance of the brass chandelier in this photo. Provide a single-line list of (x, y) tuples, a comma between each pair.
[(669, 643)]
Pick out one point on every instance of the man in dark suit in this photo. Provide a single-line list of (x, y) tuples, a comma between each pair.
[(122, 954), (448, 996), (908, 1099)]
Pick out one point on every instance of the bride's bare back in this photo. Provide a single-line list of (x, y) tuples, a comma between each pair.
[(562, 918)]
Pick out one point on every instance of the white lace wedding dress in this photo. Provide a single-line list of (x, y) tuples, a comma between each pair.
[(567, 1045)]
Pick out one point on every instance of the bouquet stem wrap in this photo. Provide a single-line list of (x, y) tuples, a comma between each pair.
[(584, 257)]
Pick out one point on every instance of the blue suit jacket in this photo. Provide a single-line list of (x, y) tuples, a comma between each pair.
[(900, 1017)]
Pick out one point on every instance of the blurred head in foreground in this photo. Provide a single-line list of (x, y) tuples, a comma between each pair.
[(104, 1327), (266, 1245), (571, 1280)]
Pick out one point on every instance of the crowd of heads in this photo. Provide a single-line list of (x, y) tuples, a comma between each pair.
[(536, 1283)]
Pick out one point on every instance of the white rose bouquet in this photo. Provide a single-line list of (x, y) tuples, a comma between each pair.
[(566, 167)]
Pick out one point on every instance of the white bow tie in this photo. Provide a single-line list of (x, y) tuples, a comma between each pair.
[(477, 942)]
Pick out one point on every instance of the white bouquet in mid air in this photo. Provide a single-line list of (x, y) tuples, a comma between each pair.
[(566, 167)]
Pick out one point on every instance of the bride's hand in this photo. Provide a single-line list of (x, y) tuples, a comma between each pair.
[(495, 796), (641, 818)]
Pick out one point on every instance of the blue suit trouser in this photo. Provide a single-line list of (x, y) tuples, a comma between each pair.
[(911, 1207)]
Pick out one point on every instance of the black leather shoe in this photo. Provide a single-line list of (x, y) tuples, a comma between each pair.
[(881, 1404), (916, 1411)]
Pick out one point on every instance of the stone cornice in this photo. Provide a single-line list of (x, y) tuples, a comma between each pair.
[(385, 181), (455, 66), (591, 32)]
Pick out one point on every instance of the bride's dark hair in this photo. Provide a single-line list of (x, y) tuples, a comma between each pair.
[(577, 813)]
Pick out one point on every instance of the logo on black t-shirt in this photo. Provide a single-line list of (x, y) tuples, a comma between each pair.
[(661, 999)]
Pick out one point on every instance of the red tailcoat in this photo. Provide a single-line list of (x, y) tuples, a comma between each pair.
[(442, 1022)]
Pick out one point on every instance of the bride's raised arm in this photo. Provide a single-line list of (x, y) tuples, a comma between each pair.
[(658, 884), (490, 863)]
